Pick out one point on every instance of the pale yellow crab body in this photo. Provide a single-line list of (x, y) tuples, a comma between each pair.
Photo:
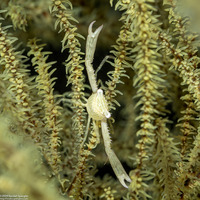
[(97, 106)]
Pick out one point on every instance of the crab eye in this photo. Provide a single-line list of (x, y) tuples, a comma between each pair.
[(97, 106)]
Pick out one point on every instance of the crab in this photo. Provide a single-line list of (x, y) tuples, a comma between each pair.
[(97, 107)]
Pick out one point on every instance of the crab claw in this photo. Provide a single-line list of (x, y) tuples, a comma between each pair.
[(118, 168), (91, 42), (123, 178), (96, 33)]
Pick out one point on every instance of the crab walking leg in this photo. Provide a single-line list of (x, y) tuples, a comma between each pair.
[(114, 161), (102, 63), (87, 130), (90, 49), (96, 129)]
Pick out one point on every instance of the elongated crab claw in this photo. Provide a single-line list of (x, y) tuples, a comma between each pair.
[(91, 42)]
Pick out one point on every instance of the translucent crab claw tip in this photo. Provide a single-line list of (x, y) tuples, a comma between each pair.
[(97, 30), (90, 27), (123, 178)]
